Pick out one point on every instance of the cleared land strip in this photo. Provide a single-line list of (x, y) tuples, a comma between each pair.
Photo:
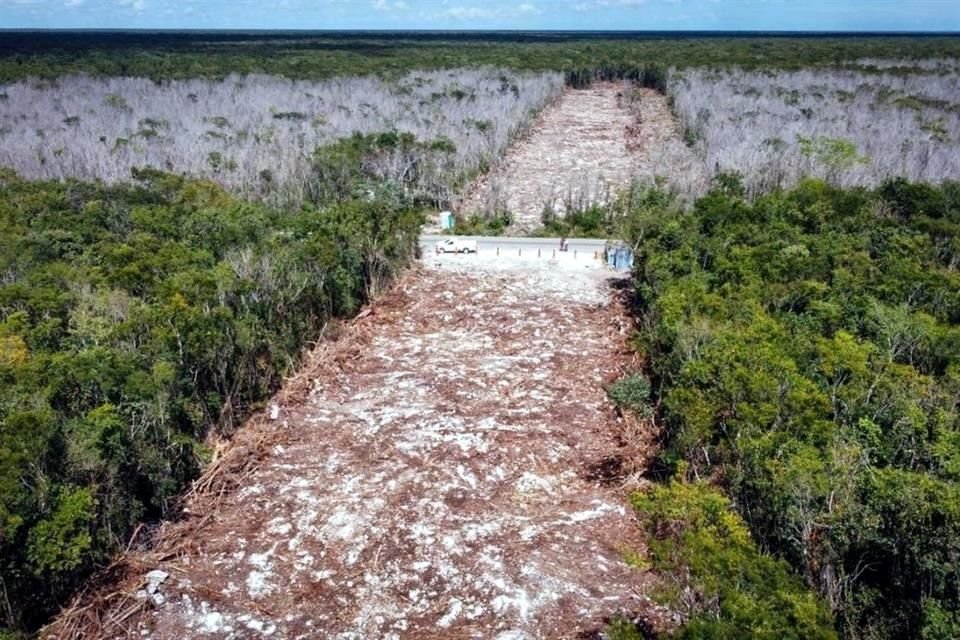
[(434, 482), (584, 148)]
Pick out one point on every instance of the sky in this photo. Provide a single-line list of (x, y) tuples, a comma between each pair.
[(640, 15)]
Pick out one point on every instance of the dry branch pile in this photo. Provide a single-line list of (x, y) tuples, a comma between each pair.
[(430, 471)]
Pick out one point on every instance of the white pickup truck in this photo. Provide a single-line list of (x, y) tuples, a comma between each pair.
[(456, 245)]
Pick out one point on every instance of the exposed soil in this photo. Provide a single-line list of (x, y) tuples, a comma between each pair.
[(442, 476), (583, 149)]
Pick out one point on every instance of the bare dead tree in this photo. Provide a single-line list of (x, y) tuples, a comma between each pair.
[(755, 122), (256, 134)]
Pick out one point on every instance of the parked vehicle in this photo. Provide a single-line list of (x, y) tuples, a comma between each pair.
[(456, 245)]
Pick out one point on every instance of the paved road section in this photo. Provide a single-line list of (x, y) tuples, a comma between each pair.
[(515, 244)]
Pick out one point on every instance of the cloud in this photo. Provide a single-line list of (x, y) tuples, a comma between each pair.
[(136, 5), (467, 13), (607, 4), (389, 5), (488, 12), (73, 3)]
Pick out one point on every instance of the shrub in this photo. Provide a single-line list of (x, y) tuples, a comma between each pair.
[(700, 542), (290, 115), (486, 225), (621, 629), (632, 393)]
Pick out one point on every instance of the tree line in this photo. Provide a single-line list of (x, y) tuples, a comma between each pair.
[(307, 56), (803, 350)]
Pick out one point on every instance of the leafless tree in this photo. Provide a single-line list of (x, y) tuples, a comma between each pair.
[(775, 128), (255, 134)]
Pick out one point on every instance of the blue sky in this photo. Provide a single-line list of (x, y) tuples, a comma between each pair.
[(790, 15)]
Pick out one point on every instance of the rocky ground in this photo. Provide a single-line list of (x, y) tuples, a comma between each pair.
[(582, 150), (437, 478)]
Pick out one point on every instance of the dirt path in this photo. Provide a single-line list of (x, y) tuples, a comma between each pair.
[(582, 150), (433, 485)]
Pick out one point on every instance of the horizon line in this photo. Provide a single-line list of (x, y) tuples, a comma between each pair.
[(546, 31)]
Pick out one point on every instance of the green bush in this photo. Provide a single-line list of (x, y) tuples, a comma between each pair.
[(352, 168), (632, 393), (482, 225), (621, 629), (699, 541), (591, 222)]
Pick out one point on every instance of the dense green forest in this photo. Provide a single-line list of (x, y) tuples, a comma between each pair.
[(804, 356), (305, 55), (136, 319)]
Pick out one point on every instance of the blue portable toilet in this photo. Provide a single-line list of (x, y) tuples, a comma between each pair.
[(619, 257), (611, 254), (446, 220)]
